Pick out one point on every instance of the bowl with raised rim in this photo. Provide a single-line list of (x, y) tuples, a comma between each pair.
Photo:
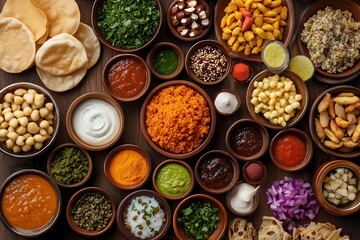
[(255, 201), (250, 179), (237, 61), (219, 104)]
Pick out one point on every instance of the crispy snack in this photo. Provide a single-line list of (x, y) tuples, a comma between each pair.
[(325, 231), (241, 229)]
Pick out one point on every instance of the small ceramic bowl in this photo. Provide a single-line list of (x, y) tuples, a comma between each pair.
[(52, 158), (217, 162), (318, 181), (56, 120), (94, 22), (70, 217), (235, 61), (221, 103), (257, 179), (39, 231), (299, 135), (110, 157), (300, 89), (334, 91), (222, 215), (155, 50), (230, 195), (248, 125), (200, 45), (122, 211), (282, 49), (185, 32), (175, 178), (92, 118), (127, 87)]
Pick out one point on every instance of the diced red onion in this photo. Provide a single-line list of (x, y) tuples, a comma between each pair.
[(292, 201)]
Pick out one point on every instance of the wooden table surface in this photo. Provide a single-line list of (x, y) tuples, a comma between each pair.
[(133, 135)]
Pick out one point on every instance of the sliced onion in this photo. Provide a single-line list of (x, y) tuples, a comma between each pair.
[(293, 202)]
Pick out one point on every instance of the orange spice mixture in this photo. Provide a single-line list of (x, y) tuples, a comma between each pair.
[(178, 119)]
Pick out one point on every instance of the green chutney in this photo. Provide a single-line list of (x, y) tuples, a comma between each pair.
[(166, 61), (173, 179)]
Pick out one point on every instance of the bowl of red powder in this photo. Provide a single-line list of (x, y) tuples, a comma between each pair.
[(241, 72)]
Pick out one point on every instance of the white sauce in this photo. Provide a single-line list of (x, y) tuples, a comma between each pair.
[(226, 102), (96, 122), (242, 198)]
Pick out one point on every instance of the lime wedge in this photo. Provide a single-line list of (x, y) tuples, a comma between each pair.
[(274, 55), (302, 66)]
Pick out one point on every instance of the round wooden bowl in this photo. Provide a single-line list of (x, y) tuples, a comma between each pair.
[(306, 140), (301, 88), (318, 179), (246, 177), (235, 61), (229, 158), (165, 45), (94, 22), (314, 113), (287, 35), (52, 158), (222, 226), (109, 158), (162, 151), (256, 202), (111, 63), (344, 5), (82, 231)]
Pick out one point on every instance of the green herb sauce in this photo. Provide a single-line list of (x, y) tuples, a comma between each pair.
[(166, 61), (173, 179)]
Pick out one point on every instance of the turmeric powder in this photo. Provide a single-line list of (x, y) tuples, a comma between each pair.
[(128, 167)]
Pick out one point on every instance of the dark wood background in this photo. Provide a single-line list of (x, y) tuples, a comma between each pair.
[(133, 135)]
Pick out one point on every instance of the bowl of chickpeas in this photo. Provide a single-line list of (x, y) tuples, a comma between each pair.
[(29, 120), (277, 101)]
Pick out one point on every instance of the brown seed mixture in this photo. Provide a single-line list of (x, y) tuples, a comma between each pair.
[(178, 119), (208, 63)]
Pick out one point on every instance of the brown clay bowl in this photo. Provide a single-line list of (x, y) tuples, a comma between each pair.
[(52, 158), (94, 22), (314, 113), (245, 123), (301, 88), (214, 169), (303, 137), (287, 35), (132, 97), (172, 27), (121, 214), (318, 179), (82, 231), (249, 179), (235, 61), (237, 98), (153, 52), (345, 5), (222, 215), (72, 109), (175, 178), (56, 121), (109, 159), (36, 232), (232, 192), (200, 45), (165, 152)]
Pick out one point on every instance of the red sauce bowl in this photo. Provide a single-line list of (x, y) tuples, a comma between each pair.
[(126, 77), (287, 145)]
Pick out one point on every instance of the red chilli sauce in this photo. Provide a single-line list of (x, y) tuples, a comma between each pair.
[(127, 77), (290, 150)]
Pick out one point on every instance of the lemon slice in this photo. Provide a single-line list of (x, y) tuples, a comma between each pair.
[(302, 66)]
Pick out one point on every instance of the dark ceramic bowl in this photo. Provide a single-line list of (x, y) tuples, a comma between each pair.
[(37, 232), (235, 61), (256, 202), (248, 179)]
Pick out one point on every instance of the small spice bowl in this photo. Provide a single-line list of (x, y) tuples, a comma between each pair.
[(100, 126), (84, 195), (170, 172), (254, 172), (322, 174), (221, 66), (19, 185), (227, 102), (161, 207), (272, 49), (217, 171), (201, 198), (287, 146), (241, 67), (164, 53), (257, 140), (74, 155), (126, 77), (255, 199), (123, 162)]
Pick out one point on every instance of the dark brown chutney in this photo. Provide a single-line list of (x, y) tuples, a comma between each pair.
[(216, 171), (246, 140)]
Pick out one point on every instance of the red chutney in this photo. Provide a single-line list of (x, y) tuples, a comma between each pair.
[(29, 202), (290, 150), (127, 77)]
